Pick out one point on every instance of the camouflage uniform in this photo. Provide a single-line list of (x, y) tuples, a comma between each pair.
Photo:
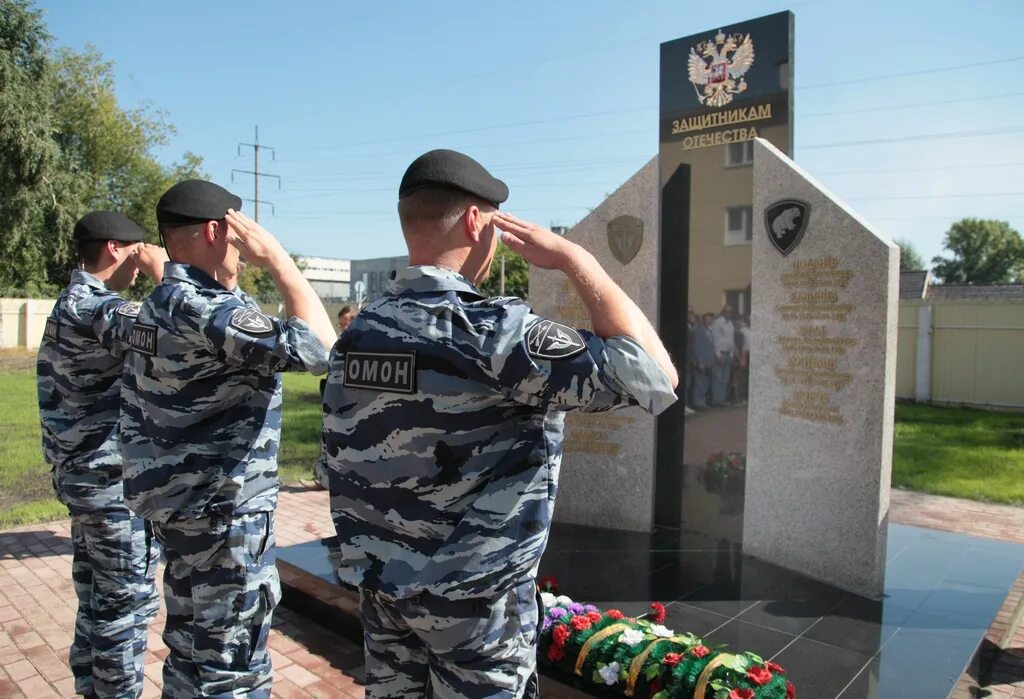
[(201, 424), (443, 422), (115, 558)]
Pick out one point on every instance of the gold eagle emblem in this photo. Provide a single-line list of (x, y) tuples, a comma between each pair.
[(721, 75)]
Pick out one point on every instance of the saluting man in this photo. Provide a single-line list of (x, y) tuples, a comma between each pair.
[(443, 423), (200, 428), (79, 386)]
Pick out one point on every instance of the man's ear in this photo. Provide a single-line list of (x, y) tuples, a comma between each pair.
[(473, 224), (114, 248), (210, 232)]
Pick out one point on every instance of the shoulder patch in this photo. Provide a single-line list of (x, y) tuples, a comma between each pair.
[(143, 339), (252, 322), (550, 340), (130, 309), (52, 329), (394, 372)]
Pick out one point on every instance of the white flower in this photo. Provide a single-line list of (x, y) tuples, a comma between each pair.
[(563, 600), (631, 637), (610, 673), (661, 631), (548, 599)]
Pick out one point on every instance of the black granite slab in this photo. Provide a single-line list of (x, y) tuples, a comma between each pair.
[(942, 592)]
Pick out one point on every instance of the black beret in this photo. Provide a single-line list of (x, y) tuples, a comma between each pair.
[(195, 201), (449, 169), (108, 225)]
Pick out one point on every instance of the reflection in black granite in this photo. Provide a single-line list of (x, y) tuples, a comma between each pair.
[(942, 592)]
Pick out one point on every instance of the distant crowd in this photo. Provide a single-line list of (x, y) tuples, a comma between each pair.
[(718, 365)]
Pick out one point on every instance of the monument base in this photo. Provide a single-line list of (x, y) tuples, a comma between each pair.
[(942, 592)]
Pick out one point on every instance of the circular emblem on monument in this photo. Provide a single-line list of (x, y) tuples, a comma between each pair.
[(786, 222), (625, 235)]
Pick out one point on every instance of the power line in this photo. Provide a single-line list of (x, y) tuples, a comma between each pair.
[(925, 71), (979, 166), (978, 195), (256, 174), (891, 108), (918, 137)]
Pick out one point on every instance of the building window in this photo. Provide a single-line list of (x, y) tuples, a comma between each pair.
[(737, 154), (738, 225)]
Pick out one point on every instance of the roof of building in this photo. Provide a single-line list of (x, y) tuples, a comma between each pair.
[(914, 283), (976, 291)]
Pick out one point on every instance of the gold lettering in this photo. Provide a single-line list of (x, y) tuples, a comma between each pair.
[(740, 115)]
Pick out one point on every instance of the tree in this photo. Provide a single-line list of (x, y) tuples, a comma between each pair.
[(28, 155), (910, 260), (67, 147), (517, 275), (983, 251)]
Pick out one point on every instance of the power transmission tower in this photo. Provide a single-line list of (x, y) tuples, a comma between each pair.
[(256, 174)]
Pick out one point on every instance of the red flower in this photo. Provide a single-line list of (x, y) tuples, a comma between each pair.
[(658, 610), (594, 616), (614, 614), (671, 659), (548, 583), (759, 675), (699, 651), (560, 634), (741, 694), (580, 623), (777, 669), (555, 653), (790, 690)]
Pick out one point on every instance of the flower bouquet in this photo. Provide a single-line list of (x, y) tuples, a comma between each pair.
[(724, 472), (642, 658)]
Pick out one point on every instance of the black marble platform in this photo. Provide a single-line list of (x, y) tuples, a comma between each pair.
[(942, 592)]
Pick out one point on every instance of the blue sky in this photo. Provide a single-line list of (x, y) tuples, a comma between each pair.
[(559, 99)]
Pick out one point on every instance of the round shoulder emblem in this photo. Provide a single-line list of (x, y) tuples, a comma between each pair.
[(550, 340), (130, 309), (251, 322)]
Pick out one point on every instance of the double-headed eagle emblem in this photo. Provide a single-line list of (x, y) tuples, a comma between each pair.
[(721, 75)]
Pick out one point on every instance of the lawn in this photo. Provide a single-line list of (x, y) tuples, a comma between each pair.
[(959, 452), (25, 492)]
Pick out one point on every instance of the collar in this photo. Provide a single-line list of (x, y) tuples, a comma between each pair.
[(190, 274), (80, 276), (429, 278)]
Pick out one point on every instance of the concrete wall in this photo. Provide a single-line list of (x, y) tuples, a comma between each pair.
[(22, 322)]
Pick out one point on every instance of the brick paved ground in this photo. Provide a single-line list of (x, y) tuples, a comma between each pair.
[(37, 607)]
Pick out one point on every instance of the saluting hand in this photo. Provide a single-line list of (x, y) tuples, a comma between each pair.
[(151, 259), (538, 246), (254, 241)]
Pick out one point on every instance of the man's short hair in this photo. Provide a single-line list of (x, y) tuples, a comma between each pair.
[(187, 229), (435, 208), (90, 252), (348, 308)]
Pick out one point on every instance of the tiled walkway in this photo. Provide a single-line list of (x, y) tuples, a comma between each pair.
[(37, 606)]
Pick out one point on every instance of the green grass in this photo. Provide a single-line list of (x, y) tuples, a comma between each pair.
[(26, 496), (25, 492), (960, 452)]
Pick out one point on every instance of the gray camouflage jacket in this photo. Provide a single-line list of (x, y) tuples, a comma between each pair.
[(78, 383), (201, 399), (443, 423)]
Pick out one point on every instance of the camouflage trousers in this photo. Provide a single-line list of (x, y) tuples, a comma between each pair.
[(220, 588), (114, 570), (430, 646)]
